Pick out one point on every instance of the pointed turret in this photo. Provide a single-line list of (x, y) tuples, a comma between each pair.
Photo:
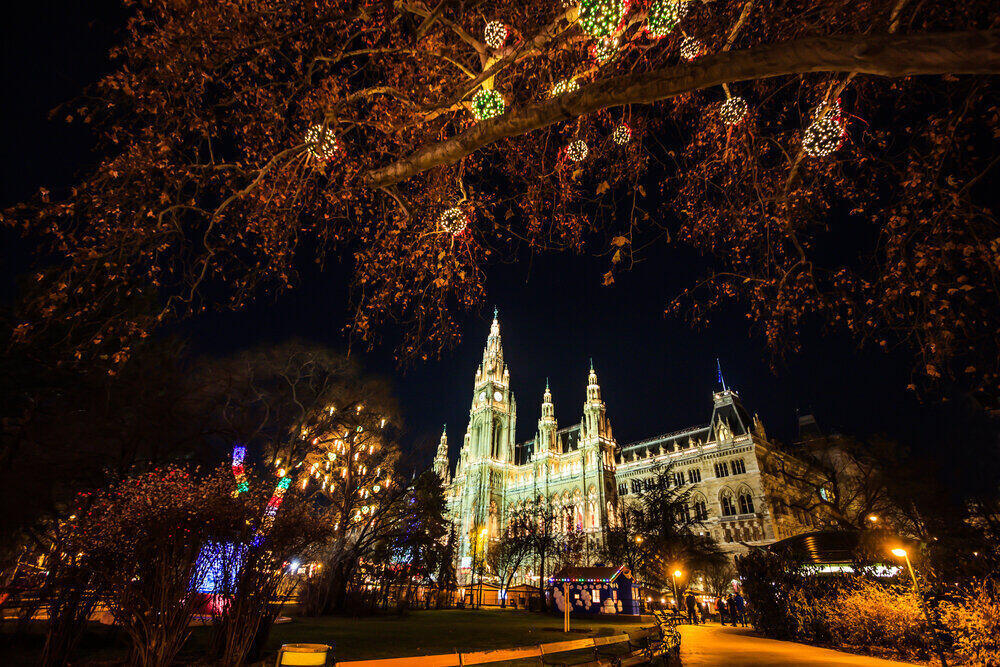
[(595, 422), (441, 459), (547, 423)]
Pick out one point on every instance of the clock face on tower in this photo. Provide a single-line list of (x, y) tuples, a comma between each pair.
[(497, 396), (482, 396)]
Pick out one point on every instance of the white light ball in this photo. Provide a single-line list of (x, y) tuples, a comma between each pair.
[(733, 110), (577, 150), (321, 142)]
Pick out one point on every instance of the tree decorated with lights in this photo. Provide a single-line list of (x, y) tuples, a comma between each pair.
[(207, 188)]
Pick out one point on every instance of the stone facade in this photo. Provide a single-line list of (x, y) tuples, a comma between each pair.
[(584, 473)]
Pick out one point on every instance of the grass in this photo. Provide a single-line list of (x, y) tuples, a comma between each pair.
[(362, 638), (437, 631)]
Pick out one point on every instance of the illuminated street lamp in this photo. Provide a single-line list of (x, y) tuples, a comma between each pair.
[(638, 539), (901, 553), (673, 580), (873, 518)]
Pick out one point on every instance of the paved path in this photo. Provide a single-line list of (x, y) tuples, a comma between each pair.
[(739, 647)]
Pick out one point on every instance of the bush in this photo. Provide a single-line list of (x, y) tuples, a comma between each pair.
[(973, 618), (870, 614)]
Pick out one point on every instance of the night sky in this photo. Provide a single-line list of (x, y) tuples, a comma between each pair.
[(656, 373)]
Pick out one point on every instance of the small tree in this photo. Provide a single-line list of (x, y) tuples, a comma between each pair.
[(252, 571), (142, 540), (505, 555)]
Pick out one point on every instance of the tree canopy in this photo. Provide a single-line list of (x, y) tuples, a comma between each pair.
[(826, 156)]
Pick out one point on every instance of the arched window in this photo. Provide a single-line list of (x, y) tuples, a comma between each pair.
[(700, 509), (746, 502), (726, 503)]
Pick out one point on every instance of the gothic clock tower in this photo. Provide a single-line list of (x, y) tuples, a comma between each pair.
[(488, 448)]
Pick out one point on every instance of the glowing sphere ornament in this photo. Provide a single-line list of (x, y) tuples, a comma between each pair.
[(601, 18), (495, 34), (577, 150), (564, 86), (622, 134), (691, 48), (663, 17), (733, 111), (453, 220), (487, 104), (826, 133), (604, 49), (321, 143)]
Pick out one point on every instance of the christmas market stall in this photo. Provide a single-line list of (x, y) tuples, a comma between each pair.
[(594, 590)]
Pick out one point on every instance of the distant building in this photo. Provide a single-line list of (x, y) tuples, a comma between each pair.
[(584, 473)]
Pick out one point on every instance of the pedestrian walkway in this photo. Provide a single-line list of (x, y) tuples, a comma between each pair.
[(739, 647)]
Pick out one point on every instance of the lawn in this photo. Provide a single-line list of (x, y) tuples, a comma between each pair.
[(362, 638), (439, 631)]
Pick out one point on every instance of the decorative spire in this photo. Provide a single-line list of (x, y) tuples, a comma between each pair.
[(592, 378), (493, 353)]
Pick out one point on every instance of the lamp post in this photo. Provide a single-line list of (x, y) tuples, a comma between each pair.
[(673, 580), (901, 553)]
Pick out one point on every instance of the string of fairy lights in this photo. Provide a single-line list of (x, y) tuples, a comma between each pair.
[(604, 21)]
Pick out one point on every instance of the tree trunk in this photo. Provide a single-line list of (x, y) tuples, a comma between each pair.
[(880, 55)]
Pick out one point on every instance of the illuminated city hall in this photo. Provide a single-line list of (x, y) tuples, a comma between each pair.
[(584, 473)]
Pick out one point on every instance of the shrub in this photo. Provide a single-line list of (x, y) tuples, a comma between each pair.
[(870, 614), (973, 618)]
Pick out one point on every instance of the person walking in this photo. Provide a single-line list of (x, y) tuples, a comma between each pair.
[(692, 612), (739, 611), (722, 609)]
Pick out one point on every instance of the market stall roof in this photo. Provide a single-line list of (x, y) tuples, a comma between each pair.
[(588, 574), (835, 546)]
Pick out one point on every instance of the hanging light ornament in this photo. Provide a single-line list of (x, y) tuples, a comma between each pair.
[(321, 143), (622, 134), (564, 86), (487, 104), (601, 18), (577, 150), (495, 34), (691, 48), (826, 133), (604, 49), (733, 110), (453, 220), (663, 17)]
